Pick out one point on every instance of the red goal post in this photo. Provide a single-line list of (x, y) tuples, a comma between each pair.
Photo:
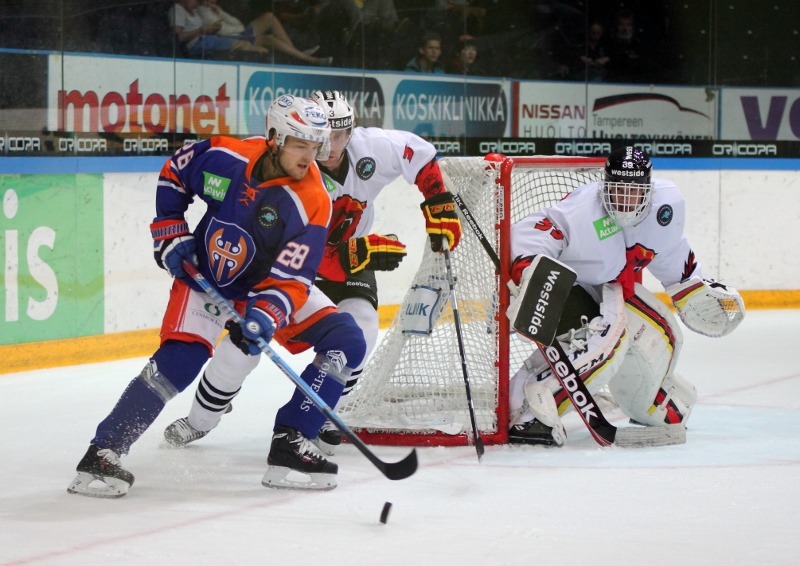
[(412, 390)]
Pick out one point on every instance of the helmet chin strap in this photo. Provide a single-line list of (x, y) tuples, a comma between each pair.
[(274, 162)]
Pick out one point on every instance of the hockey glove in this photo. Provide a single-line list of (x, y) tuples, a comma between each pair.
[(441, 219), (373, 252), (173, 243), (708, 307), (257, 323)]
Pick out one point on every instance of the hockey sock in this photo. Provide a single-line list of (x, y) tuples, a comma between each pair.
[(145, 396), (340, 346)]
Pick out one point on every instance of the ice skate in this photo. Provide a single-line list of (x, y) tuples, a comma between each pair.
[(100, 474), (294, 464), (180, 433), (328, 439), (532, 432)]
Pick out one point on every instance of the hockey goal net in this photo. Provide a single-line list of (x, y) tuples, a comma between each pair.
[(412, 391)]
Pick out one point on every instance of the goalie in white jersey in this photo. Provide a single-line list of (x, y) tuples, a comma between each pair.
[(361, 162), (615, 331)]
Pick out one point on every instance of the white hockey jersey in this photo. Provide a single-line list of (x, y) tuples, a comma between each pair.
[(376, 157), (578, 232)]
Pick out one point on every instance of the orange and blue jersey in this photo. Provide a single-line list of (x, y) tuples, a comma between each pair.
[(259, 242)]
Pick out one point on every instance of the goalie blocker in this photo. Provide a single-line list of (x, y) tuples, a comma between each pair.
[(541, 299)]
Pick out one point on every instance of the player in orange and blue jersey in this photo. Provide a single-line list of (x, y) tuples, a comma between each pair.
[(259, 244)]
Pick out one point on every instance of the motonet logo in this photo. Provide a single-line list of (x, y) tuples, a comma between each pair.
[(137, 112)]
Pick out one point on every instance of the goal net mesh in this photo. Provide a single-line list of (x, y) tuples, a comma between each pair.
[(413, 391)]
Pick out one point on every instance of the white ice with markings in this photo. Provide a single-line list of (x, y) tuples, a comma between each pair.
[(730, 495)]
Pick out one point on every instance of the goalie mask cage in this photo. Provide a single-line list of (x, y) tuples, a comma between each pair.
[(412, 391)]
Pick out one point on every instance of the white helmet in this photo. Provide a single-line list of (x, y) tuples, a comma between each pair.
[(340, 114), (301, 118)]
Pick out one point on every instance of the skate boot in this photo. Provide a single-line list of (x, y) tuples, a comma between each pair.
[(100, 474), (533, 432), (294, 464), (180, 433), (328, 439)]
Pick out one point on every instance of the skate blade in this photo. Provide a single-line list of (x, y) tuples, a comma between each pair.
[(640, 437), (104, 487), (324, 447), (279, 477)]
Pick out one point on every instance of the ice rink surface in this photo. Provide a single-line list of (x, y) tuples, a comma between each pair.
[(730, 495)]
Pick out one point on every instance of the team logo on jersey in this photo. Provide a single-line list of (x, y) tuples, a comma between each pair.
[(267, 216), (664, 214), (215, 186), (345, 216), (605, 227), (365, 168), (230, 251)]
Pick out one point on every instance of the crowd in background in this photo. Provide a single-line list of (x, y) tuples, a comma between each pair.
[(636, 41)]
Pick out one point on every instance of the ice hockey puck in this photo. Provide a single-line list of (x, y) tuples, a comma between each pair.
[(385, 513)]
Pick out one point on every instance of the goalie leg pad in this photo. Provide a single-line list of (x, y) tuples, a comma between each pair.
[(597, 350), (646, 387)]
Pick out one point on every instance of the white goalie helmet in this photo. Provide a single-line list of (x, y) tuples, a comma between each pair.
[(301, 118), (627, 190)]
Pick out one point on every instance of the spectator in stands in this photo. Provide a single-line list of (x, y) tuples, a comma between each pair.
[(264, 33), (628, 60), (427, 61), (464, 62), (587, 61), (196, 37), (328, 25)]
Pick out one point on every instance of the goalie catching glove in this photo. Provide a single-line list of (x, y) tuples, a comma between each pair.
[(373, 252), (708, 307), (441, 219)]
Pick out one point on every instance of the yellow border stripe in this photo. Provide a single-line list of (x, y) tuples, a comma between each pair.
[(76, 351), (141, 343)]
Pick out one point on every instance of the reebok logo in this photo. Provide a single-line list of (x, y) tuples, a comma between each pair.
[(215, 186), (605, 227), (569, 379)]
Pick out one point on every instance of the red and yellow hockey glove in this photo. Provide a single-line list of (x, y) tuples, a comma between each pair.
[(373, 252), (441, 219)]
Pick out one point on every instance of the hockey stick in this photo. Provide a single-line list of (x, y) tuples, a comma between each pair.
[(601, 430), (451, 282), (394, 471)]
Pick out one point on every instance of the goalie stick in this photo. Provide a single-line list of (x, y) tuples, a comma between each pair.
[(601, 430), (451, 282), (394, 471)]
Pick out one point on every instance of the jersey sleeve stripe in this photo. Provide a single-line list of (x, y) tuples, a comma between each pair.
[(169, 184), (278, 274), (298, 202), (230, 152)]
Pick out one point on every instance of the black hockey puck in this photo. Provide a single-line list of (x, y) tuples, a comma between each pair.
[(385, 513)]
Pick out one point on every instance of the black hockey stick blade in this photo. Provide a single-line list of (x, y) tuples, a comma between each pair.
[(394, 471)]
